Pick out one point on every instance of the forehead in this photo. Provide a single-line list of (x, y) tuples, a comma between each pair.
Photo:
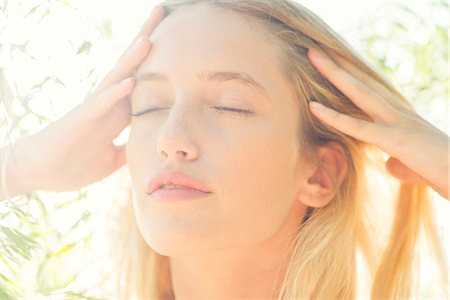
[(206, 26), (205, 37), (202, 37)]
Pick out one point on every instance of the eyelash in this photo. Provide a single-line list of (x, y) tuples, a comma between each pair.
[(233, 110), (219, 109)]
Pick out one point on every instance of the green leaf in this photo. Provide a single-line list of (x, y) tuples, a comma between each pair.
[(9, 254), (18, 212), (63, 250), (8, 285), (22, 244), (85, 47), (78, 296), (32, 10), (8, 280), (40, 84), (5, 296), (81, 196), (86, 215), (41, 205), (59, 81)]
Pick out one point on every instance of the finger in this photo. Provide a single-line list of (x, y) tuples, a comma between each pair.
[(136, 52), (358, 92), (102, 103), (397, 169), (376, 86), (359, 129), (355, 72), (158, 13), (126, 65)]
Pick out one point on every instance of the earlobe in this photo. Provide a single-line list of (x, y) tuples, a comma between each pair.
[(323, 179)]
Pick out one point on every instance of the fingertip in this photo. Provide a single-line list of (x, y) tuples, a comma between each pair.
[(159, 10), (123, 88), (142, 41), (142, 51), (316, 106), (317, 53), (127, 82)]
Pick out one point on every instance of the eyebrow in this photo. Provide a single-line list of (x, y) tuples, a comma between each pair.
[(241, 77)]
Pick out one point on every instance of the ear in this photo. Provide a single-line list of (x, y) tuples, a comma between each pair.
[(319, 181)]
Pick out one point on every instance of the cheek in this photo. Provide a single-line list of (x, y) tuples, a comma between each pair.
[(263, 157), (251, 168), (259, 183)]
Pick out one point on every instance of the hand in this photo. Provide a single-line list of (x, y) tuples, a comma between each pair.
[(78, 149), (419, 151)]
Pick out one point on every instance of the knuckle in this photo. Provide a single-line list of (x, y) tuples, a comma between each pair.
[(335, 114), (360, 125), (335, 69)]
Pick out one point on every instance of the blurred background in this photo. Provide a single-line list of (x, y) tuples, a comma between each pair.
[(52, 53)]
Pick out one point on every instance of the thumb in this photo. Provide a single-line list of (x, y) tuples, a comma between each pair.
[(397, 169)]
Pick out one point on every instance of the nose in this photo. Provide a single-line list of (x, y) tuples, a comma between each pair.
[(175, 139)]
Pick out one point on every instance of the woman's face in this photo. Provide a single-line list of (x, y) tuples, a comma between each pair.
[(248, 161)]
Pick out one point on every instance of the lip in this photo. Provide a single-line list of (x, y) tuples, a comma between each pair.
[(192, 184), (175, 195)]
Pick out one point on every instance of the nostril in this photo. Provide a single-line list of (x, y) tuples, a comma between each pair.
[(183, 153)]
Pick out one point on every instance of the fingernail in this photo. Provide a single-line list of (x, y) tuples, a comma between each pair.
[(316, 105), (317, 53)]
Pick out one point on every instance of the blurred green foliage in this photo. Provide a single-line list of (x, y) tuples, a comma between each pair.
[(411, 50), (39, 256)]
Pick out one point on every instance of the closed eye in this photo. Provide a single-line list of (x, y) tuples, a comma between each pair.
[(234, 110), (218, 108), (145, 111)]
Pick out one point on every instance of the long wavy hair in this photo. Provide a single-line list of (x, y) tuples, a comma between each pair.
[(366, 239)]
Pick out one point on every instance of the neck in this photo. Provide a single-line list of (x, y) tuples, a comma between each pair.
[(253, 271)]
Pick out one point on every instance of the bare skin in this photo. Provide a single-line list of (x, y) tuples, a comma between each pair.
[(237, 258), (410, 158), (239, 236), (419, 151), (78, 149), (417, 158)]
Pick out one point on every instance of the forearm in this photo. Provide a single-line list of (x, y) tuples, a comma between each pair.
[(11, 185)]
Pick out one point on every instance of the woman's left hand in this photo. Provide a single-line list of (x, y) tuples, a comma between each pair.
[(419, 151)]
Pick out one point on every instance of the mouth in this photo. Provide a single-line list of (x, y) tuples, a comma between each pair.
[(181, 194), (176, 182)]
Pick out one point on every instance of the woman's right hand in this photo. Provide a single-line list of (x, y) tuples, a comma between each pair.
[(78, 149)]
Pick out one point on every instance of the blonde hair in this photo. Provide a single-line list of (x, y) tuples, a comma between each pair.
[(360, 221)]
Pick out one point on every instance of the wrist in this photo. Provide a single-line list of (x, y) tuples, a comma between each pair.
[(12, 182)]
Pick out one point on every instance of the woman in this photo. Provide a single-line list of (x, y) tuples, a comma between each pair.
[(276, 118)]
